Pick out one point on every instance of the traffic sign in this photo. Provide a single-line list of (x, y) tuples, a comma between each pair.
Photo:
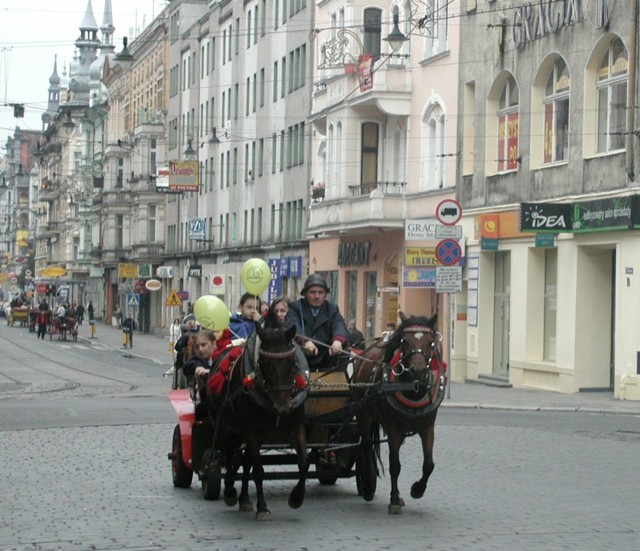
[(448, 252), (133, 299), (449, 212), (173, 299)]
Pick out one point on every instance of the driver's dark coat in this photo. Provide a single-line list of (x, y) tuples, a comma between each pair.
[(326, 327)]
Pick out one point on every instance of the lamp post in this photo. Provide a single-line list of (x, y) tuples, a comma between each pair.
[(396, 38)]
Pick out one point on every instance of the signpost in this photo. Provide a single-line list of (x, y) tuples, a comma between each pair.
[(449, 212)]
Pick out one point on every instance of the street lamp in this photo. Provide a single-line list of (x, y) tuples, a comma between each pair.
[(189, 152), (68, 125), (396, 39)]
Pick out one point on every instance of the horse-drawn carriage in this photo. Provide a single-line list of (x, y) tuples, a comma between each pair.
[(63, 327), (18, 314), (333, 417)]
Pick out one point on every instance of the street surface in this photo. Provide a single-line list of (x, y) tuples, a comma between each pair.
[(86, 427)]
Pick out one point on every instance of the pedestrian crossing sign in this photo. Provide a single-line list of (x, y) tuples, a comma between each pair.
[(133, 299), (173, 299)]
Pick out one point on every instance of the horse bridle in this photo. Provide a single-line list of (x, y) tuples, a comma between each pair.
[(399, 368), (284, 355)]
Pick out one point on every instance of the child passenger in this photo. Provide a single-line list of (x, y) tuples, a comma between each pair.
[(199, 365), (243, 322)]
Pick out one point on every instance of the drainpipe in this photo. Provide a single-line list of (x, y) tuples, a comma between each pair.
[(631, 94)]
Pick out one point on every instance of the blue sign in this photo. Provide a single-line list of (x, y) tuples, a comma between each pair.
[(133, 299), (275, 285), (448, 252), (295, 266), (197, 228)]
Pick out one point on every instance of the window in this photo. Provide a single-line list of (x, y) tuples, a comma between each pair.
[(434, 133), (556, 113), (120, 173), (153, 157), (611, 91), (508, 127), (119, 241), (151, 223), (369, 154), (372, 32)]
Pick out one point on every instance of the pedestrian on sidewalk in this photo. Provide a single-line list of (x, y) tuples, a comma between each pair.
[(127, 332)]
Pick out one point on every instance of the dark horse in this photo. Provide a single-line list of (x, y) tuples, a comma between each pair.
[(263, 399), (410, 358)]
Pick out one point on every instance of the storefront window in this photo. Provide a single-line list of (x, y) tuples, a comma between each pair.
[(370, 321), (352, 295), (550, 286)]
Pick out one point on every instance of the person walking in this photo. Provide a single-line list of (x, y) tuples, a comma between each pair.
[(42, 320), (175, 332), (127, 332), (90, 312), (80, 313)]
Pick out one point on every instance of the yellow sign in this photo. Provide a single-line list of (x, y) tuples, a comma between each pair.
[(3, 277), (173, 299), (22, 238), (420, 256), (53, 271), (128, 271)]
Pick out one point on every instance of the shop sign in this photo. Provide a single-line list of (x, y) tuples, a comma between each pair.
[(603, 214), (545, 240), (420, 229), (354, 254), (275, 283), (420, 256), (127, 271), (545, 217), (195, 270), (418, 277), (184, 176), (144, 270), (164, 272)]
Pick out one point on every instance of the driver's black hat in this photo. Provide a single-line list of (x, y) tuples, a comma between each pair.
[(315, 280)]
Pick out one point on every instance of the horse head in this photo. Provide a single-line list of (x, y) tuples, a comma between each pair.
[(413, 345), (276, 367)]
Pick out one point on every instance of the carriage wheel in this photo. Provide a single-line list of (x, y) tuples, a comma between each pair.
[(182, 475), (212, 480)]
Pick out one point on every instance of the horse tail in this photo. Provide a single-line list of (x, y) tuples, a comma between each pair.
[(375, 440)]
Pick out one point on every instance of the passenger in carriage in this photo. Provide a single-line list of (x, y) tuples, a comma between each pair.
[(322, 330), (199, 366), (277, 312), (243, 322), (61, 312)]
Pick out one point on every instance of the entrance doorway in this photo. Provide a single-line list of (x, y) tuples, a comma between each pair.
[(501, 307)]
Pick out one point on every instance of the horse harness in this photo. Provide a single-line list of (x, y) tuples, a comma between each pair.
[(428, 383)]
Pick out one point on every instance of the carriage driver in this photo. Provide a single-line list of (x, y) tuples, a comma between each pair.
[(318, 319)]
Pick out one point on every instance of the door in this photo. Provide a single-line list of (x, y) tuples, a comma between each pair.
[(501, 308)]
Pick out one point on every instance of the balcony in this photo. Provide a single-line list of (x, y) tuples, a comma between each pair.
[(47, 231), (48, 192), (367, 206)]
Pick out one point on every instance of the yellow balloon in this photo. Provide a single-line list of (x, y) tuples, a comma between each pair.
[(255, 276), (211, 313)]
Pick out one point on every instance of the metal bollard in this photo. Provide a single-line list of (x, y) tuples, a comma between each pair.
[(92, 328)]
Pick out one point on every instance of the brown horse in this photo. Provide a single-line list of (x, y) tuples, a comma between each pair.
[(410, 360), (263, 400)]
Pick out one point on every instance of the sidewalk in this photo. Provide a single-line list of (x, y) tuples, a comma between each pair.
[(458, 395)]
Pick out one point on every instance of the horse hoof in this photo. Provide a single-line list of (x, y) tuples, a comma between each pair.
[(296, 499), (246, 507), (263, 515), (231, 498), (417, 490), (368, 496), (395, 509)]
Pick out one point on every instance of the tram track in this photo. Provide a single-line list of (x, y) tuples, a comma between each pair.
[(33, 360)]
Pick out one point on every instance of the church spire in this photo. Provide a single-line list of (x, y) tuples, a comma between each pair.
[(107, 28), (54, 95)]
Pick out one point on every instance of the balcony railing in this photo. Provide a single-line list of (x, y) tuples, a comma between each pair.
[(388, 188)]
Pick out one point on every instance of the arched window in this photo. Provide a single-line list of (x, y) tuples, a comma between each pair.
[(556, 113), (508, 126), (433, 144), (611, 93), (372, 32)]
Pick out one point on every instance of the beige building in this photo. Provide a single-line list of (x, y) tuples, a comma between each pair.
[(384, 156)]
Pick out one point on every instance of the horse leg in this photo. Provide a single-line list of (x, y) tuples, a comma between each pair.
[(369, 474), (428, 437), (230, 494), (296, 497), (253, 458), (395, 439), (245, 503)]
